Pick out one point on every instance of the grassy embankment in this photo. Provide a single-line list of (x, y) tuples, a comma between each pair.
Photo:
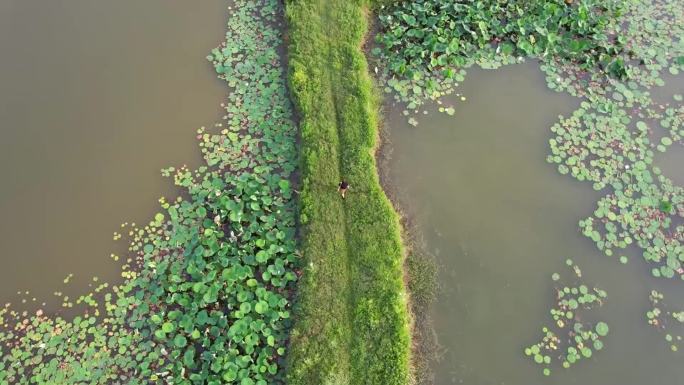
[(352, 321)]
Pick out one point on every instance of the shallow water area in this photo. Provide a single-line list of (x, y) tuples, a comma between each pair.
[(96, 98), (500, 221)]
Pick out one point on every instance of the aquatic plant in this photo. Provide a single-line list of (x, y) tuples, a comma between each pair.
[(649, 31), (425, 45), (609, 53), (665, 320), (208, 282), (614, 151), (612, 138), (570, 338)]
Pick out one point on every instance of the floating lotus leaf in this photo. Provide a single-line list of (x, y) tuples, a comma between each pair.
[(571, 300), (602, 329)]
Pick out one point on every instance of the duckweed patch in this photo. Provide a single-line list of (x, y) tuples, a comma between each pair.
[(571, 337), (208, 282)]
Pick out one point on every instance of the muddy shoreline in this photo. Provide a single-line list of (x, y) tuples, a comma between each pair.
[(420, 266)]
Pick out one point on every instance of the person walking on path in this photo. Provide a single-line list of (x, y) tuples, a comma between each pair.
[(343, 187)]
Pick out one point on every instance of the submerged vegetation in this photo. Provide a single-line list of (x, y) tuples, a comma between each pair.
[(351, 318), (207, 288), (571, 337)]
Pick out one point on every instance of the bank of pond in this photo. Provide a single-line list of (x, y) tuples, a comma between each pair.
[(512, 175)]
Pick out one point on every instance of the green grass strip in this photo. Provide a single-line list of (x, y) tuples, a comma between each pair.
[(351, 318)]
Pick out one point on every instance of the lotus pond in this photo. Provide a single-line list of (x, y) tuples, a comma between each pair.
[(616, 126), (535, 144), (501, 223)]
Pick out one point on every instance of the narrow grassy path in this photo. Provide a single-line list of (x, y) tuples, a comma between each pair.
[(351, 318)]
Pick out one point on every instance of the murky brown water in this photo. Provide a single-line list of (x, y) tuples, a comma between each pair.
[(671, 162), (95, 98), (500, 221)]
